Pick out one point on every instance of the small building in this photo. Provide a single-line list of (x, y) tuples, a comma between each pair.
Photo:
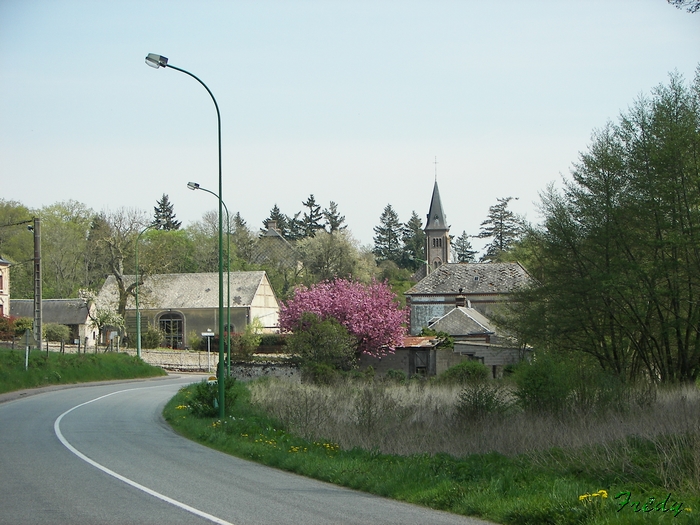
[(74, 313), (416, 356), (186, 304)]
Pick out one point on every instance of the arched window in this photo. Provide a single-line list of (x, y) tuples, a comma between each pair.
[(172, 324)]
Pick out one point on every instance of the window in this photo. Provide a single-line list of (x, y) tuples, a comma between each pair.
[(171, 324)]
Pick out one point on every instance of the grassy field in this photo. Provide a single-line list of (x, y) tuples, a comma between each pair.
[(414, 442), (54, 368)]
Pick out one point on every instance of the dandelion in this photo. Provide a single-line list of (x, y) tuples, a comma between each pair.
[(182, 407), (588, 497)]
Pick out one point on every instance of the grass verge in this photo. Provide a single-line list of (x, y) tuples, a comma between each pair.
[(551, 488), (53, 368)]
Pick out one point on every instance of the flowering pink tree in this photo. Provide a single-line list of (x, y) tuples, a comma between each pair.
[(371, 312)]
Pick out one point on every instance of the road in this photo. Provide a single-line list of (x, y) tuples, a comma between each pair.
[(102, 454)]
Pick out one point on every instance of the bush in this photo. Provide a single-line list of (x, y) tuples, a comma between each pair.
[(205, 397), (319, 373), (322, 342), (56, 332), (544, 385), (478, 400), (22, 324), (397, 376), (152, 337), (464, 373), (195, 341), (247, 343)]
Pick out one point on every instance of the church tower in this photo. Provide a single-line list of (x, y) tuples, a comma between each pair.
[(437, 234)]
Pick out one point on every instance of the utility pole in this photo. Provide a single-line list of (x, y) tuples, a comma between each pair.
[(37, 281)]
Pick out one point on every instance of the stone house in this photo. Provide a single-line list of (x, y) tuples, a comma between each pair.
[(416, 356), (186, 304)]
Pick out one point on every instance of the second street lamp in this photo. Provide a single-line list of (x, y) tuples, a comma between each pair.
[(194, 186), (158, 61)]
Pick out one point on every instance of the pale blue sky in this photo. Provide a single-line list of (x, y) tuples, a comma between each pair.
[(348, 100)]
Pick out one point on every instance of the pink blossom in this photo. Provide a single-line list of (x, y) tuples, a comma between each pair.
[(369, 312)]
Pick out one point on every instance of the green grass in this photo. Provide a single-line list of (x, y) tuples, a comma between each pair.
[(541, 488), (55, 368)]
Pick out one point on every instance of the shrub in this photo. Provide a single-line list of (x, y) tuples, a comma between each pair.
[(478, 400), (397, 376), (152, 337), (247, 343), (325, 342), (319, 373), (56, 332), (7, 328), (22, 324), (205, 397), (464, 373), (543, 384)]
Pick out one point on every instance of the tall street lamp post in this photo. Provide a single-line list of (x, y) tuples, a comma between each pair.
[(157, 61), (136, 295), (194, 186)]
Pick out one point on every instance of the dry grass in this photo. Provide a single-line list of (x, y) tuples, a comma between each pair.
[(419, 418)]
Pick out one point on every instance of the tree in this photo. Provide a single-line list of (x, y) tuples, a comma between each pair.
[(503, 227), (334, 221), (311, 220), (164, 217), (387, 241), (369, 312), (328, 256), (281, 220), (463, 249), (413, 238), (692, 6), (64, 247), (242, 239), (618, 248)]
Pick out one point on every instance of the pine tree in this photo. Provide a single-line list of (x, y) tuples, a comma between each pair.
[(463, 249), (413, 238), (311, 220), (334, 221), (503, 227), (280, 219), (164, 217), (387, 241)]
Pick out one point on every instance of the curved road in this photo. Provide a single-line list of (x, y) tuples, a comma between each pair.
[(102, 454)]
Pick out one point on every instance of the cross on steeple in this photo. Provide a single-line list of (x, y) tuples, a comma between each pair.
[(436, 163)]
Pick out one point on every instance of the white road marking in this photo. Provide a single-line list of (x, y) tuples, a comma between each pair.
[(183, 506)]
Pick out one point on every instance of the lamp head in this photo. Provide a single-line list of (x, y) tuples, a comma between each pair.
[(156, 61), (193, 185)]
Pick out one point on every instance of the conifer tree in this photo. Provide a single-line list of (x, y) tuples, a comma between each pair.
[(387, 241), (164, 216), (463, 249), (503, 227)]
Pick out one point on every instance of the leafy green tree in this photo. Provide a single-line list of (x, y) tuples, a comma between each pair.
[(164, 216), (242, 239), (503, 227), (387, 239), (463, 249), (334, 221), (327, 256), (618, 248), (204, 235), (65, 227), (17, 245)]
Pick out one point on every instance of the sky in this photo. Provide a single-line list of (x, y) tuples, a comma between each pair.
[(363, 103)]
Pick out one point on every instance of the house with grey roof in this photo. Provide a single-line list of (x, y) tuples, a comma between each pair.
[(4, 287), (481, 286), (186, 304), (74, 313)]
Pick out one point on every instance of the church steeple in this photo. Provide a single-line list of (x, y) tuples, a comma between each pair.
[(437, 233)]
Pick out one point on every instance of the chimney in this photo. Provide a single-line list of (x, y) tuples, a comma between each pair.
[(460, 300)]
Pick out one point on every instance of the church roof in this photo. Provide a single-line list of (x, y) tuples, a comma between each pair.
[(472, 278), (436, 217)]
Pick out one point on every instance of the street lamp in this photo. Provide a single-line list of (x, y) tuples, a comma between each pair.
[(194, 186), (138, 312), (157, 61)]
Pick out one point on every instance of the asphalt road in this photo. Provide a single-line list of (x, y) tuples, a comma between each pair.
[(102, 454)]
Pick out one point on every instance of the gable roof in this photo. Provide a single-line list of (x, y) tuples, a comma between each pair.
[(60, 311), (472, 278), (463, 321), (186, 290)]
